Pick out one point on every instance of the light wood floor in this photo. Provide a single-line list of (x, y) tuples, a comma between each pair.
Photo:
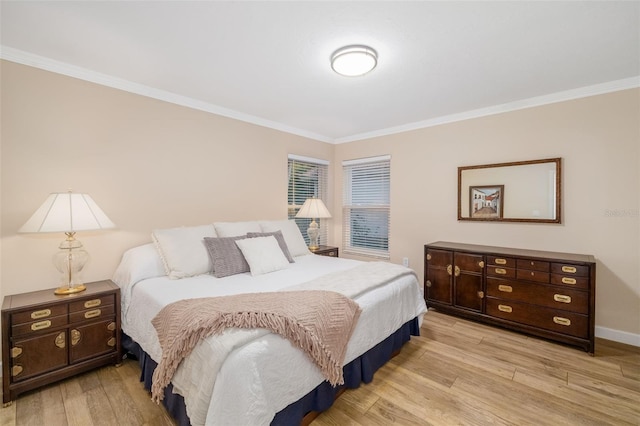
[(457, 372)]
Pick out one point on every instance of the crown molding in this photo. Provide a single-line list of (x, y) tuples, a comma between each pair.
[(37, 61), (567, 95)]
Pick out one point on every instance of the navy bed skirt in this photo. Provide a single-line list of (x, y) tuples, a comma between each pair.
[(359, 370)]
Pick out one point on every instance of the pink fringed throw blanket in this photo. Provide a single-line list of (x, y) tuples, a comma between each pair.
[(318, 322)]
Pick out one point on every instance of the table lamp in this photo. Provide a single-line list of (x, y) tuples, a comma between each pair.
[(311, 209)]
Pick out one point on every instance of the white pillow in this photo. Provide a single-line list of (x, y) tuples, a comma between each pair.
[(290, 232), (235, 229), (137, 264), (263, 254), (183, 251)]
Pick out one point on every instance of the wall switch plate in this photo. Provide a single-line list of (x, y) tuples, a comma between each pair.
[(405, 261)]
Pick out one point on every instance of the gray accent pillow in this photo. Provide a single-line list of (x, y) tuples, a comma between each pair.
[(226, 257), (279, 238)]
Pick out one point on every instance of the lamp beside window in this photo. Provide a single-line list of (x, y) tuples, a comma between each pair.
[(311, 209), (68, 212)]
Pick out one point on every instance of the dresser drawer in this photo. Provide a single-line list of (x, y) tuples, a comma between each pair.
[(105, 311), (537, 276), (551, 297), (570, 281), (570, 323), (500, 271), (570, 270), (97, 302), (532, 265), (468, 262), (501, 262)]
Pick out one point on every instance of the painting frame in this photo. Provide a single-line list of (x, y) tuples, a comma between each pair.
[(486, 202)]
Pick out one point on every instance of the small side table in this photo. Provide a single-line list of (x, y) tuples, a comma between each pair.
[(330, 251)]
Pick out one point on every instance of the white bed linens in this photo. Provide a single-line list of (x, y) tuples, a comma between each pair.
[(263, 373)]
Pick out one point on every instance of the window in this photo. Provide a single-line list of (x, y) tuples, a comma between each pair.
[(366, 206), (307, 179)]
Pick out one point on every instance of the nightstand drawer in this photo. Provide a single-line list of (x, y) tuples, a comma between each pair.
[(38, 314), (93, 303), (105, 311), (39, 325)]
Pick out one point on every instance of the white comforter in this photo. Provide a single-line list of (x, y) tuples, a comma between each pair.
[(263, 373)]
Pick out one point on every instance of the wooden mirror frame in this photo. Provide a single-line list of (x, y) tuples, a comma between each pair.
[(499, 189)]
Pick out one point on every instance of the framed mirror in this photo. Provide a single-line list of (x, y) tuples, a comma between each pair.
[(522, 191)]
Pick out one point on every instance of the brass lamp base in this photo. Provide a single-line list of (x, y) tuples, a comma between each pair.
[(70, 290)]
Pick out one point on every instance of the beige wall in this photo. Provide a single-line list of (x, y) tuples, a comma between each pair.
[(152, 164), (598, 139), (148, 164)]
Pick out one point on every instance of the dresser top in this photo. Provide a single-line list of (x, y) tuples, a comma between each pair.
[(507, 251), (35, 298)]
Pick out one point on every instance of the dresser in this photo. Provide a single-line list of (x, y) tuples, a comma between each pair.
[(545, 294), (48, 337)]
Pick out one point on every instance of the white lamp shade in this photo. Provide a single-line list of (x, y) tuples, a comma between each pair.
[(67, 212), (313, 208)]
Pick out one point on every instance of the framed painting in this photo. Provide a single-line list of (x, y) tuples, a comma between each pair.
[(486, 202)]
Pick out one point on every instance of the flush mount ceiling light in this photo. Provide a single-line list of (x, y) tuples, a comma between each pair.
[(353, 61)]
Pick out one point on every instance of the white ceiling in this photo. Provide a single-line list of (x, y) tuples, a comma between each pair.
[(268, 62)]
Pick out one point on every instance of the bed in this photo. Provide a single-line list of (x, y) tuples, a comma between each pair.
[(253, 376)]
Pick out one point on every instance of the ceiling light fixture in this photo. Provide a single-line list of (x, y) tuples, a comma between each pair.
[(354, 61)]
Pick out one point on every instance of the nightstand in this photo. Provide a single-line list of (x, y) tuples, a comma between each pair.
[(330, 251), (46, 337)]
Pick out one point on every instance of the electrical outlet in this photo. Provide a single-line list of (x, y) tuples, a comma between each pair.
[(405, 261)]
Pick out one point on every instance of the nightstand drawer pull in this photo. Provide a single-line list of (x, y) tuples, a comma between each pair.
[(567, 280), (93, 313), (505, 308), (481, 294), (505, 288), (111, 326), (501, 271), (562, 321), (16, 351), (456, 271), (16, 370), (61, 341), (40, 325), (562, 298), (569, 269), (499, 261), (429, 284), (111, 342), (481, 264), (92, 303), (40, 314), (428, 256), (449, 269), (75, 337)]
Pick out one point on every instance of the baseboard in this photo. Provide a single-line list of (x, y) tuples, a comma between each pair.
[(618, 336)]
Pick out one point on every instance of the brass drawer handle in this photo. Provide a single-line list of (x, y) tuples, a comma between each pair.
[(75, 337), (16, 370), (111, 326), (16, 351), (93, 313), (43, 313), (505, 288), (569, 269), (567, 280), (562, 321), (456, 271), (428, 256), (429, 283), (501, 261), (505, 308), (501, 271), (61, 341), (111, 342), (481, 294), (562, 298), (449, 269), (92, 303), (40, 325), (481, 264)]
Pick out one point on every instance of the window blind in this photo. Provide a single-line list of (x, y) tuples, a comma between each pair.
[(366, 206), (307, 179)]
